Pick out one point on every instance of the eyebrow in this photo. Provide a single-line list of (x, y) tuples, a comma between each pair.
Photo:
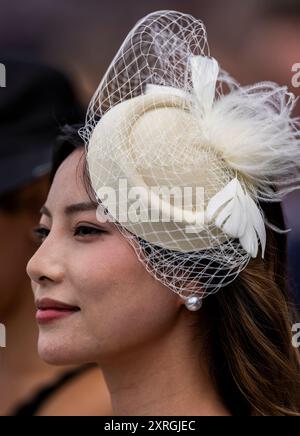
[(72, 208)]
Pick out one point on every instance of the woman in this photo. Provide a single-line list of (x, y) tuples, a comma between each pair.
[(107, 261)]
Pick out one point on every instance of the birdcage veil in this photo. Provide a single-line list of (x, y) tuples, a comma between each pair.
[(195, 150)]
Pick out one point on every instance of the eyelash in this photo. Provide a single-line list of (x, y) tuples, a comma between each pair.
[(41, 233)]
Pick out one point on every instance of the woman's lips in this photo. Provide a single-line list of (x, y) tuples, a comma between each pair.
[(50, 310)]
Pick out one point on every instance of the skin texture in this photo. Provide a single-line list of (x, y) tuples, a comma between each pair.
[(134, 327), (22, 372)]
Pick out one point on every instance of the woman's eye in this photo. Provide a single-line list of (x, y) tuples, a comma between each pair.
[(86, 231), (40, 233)]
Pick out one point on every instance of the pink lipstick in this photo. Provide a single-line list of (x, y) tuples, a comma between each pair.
[(50, 310)]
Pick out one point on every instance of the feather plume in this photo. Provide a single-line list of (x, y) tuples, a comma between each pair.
[(237, 215)]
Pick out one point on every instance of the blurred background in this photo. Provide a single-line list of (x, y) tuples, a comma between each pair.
[(254, 40)]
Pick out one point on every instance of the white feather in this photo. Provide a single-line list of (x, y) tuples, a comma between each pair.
[(227, 206), (204, 77), (237, 215), (249, 241), (255, 220), (251, 127), (254, 132)]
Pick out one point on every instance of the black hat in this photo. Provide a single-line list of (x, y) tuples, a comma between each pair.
[(35, 103)]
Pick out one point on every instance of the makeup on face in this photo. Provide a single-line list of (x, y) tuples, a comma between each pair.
[(49, 310)]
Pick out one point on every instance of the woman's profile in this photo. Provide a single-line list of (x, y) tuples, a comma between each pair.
[(178, 294)]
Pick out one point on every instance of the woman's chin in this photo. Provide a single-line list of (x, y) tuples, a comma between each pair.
[(59, 353)]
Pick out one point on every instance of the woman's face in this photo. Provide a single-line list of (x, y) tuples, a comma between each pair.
[(89, 265)]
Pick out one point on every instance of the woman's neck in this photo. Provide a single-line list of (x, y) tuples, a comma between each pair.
[(166, 377)]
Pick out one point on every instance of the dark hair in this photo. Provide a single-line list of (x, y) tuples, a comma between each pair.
[(249, 334), (66, 143)]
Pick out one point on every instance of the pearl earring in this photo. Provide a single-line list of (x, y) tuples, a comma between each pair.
[(193, 303)]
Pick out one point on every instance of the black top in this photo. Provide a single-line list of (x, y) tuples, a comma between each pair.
[(31, 407)]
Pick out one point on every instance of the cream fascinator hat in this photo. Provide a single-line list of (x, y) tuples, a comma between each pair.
[(179, 155)]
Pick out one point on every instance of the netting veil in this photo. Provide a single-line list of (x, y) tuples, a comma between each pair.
[(179, 155)]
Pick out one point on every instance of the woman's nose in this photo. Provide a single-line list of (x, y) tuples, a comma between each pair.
[(46, 264)]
